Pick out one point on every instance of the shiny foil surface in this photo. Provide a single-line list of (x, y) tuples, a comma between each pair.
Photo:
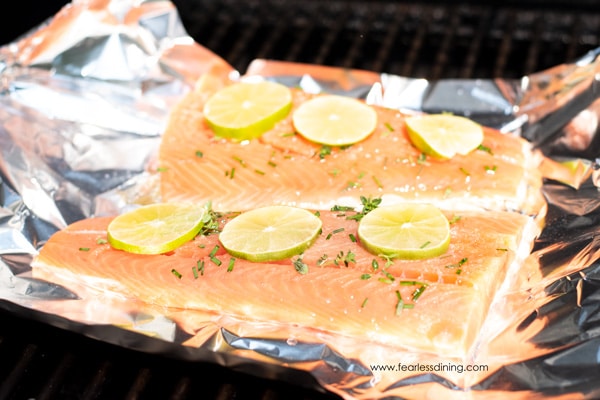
[(83, 102)]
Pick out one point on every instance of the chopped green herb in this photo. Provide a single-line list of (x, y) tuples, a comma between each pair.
[(364, 277), (101, 241), (230, 173), (317, 213), (388, 126), (210, 222), (377, 182), (341, 208), (352, 185), (271, 164), (335, 172), (422, 158), (161, 169), (324, 151), (400, 303), (418, 292), (84, 249), (490, 170), (427, 243), (484, 148), (464, 171), (345, 258), (201, 245), (364, 303), (375, 265), (199, 154), (230, 266), (502, 249), (368, 205), (352, 237), (458, 271), (322, 259), (454, 219), (242, 162), (334, 232), (389, 278), (177, 274), (300, 266), (458, 264), (408, 283), (288, 134), (258, 171), (195, 272), (213, 252), (200, 265), (216, 261)]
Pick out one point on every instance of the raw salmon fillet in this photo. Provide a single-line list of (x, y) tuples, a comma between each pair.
[(345, 291), (282, 167)]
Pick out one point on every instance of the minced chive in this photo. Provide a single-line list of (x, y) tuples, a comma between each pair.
[(200, 265), (464, 171), (232, 173), (418, 292), (454, 219), (458, 264), (177, 274), (84, 249), (213, 252), (199, 154), (101, 241), (288, 134), (458, 271), (389, 126), (230, 266), (317, 213), (271, 164), (389, 278), (377, 182), (490, 170), (195, 272), (238, 159), (352, 237), (216, 261), (399, 304), (201, 245), (408, 283), (342, 208), (422, 158), (258, 171), (364, 277), (502, 249), (484, 148), (364, 303), (427, 243)]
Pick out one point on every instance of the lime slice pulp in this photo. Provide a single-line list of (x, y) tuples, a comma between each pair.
[(156, 228), (270, 233), (444, 135), (334, 120), (246, 110), (407, 231)]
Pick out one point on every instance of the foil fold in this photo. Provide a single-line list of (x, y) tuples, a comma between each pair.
[(83, 102)]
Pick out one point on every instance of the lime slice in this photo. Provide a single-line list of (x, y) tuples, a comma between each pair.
[(270, 233), (246, 110), (408, 231), (334, 120), (444, 135), (156, 228)]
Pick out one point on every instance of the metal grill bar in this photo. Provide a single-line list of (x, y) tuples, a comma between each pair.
[(421, 40)]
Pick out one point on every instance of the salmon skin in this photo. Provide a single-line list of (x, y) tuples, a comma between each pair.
[(435, 305), (281, 167)]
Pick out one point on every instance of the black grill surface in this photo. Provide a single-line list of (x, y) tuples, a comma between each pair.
[(431, 40)]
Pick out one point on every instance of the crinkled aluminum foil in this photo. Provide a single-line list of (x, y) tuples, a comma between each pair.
[(83, 101)]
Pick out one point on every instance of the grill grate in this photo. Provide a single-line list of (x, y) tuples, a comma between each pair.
[(429, 40)]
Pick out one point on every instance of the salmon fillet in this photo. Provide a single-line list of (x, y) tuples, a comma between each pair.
[(282, 167), (345, 290)]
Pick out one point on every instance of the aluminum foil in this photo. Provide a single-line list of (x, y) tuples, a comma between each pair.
[(83, 102)]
